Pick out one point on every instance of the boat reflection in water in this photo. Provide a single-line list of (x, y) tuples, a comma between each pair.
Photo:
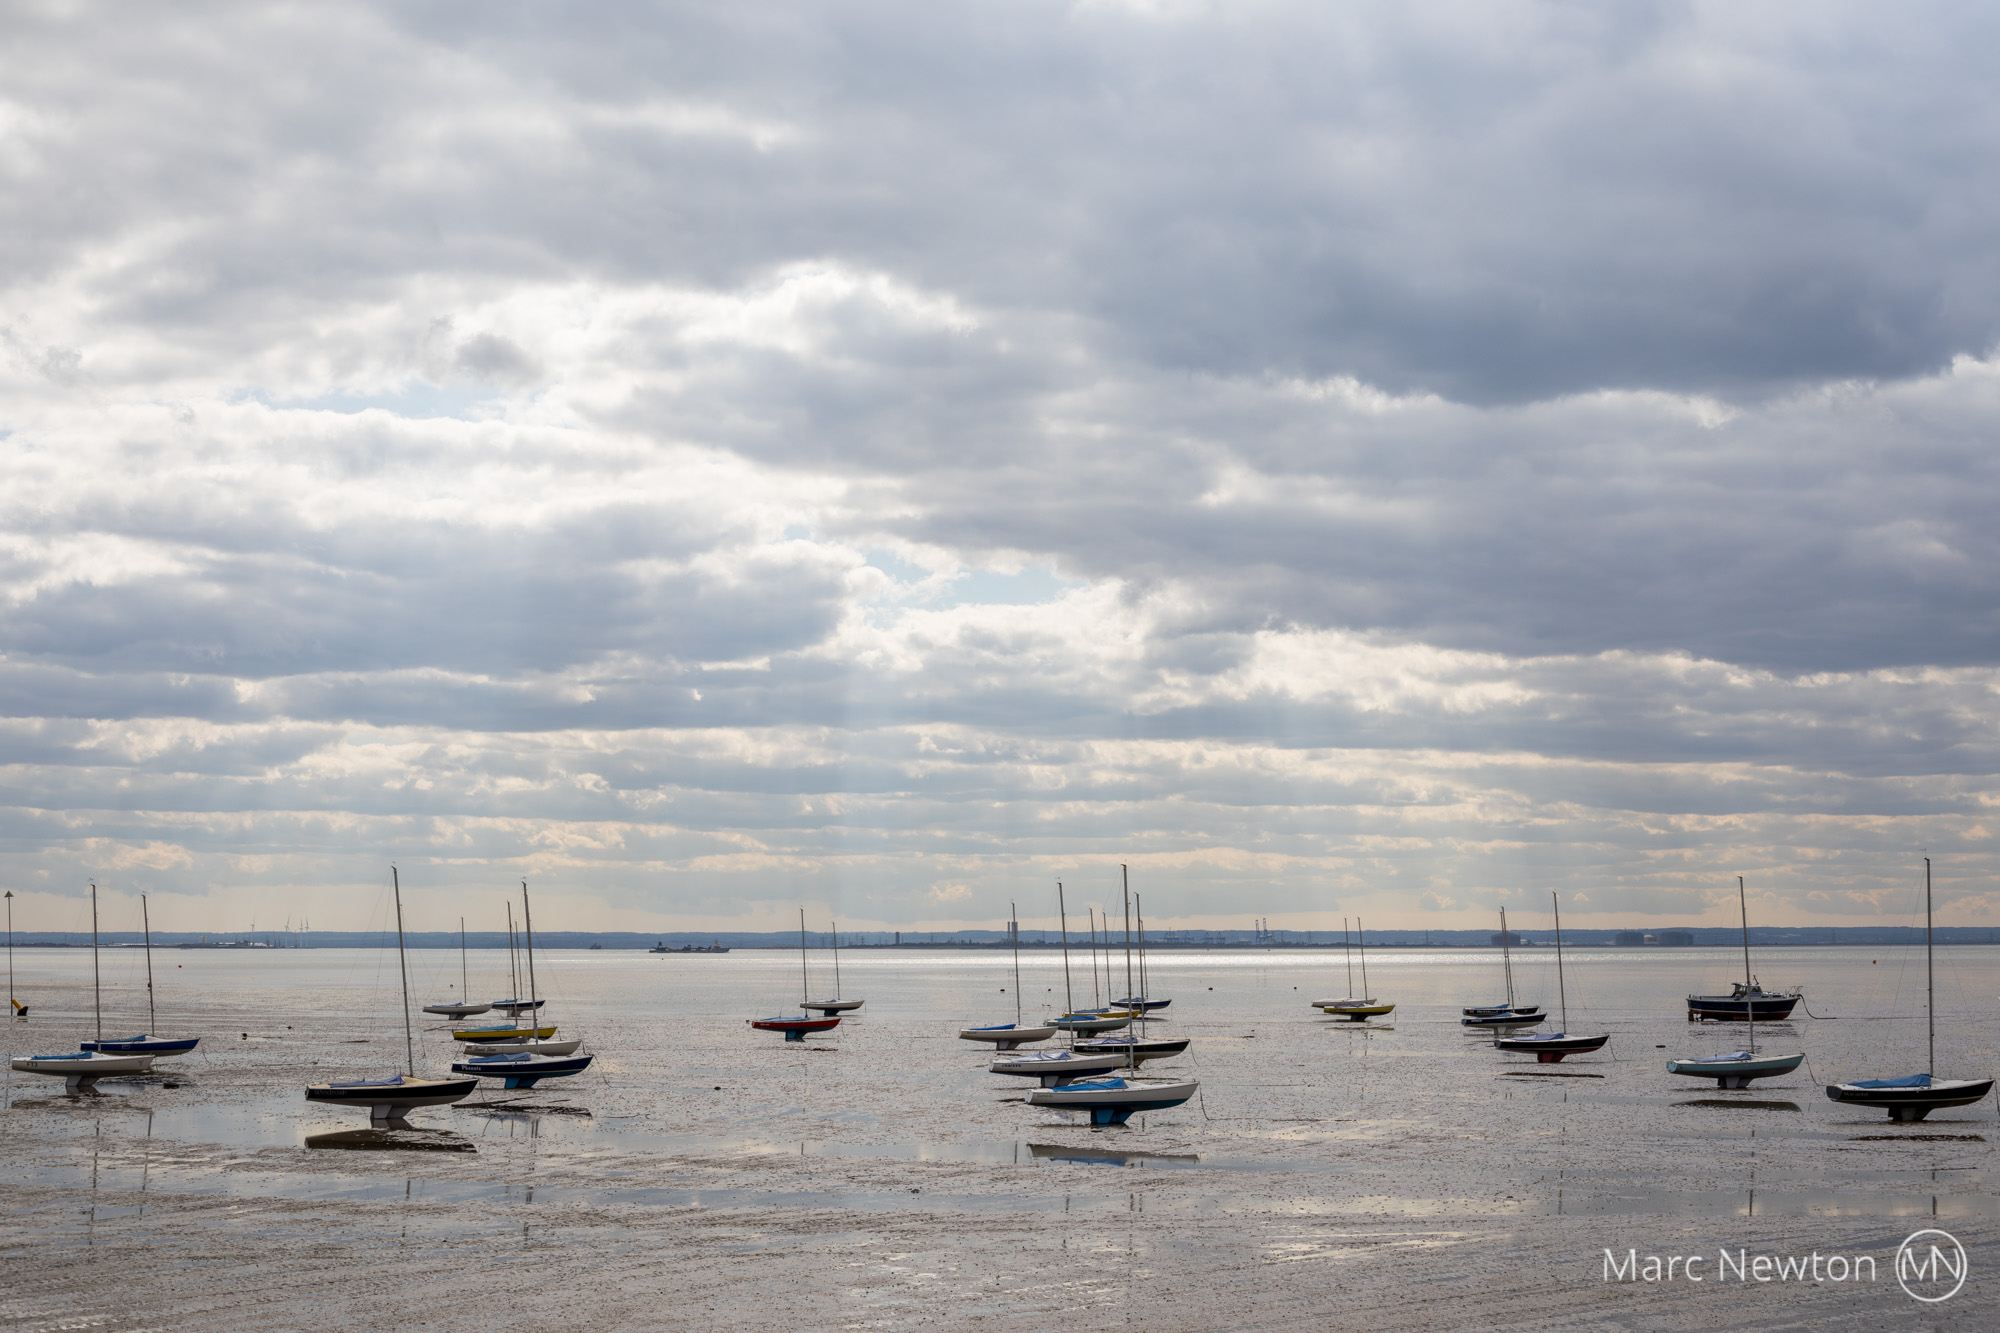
[(393, 1140), (1057, 1152)]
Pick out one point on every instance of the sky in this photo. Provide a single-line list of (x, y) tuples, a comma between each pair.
[(1376, 460)]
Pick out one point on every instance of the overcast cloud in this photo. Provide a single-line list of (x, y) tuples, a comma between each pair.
[(1381, 459)]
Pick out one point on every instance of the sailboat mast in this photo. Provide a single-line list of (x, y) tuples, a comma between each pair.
[(834, 930), (146, 923), (1362, 939), (1506, 959), (1930, 973), (96, 976), (1014, 930), (13, 1005), (805, 983), (513, 969), (1139, 908), (403, 964), (1095, 998), (1562, 993), (528, 920), (1125, 879), (464, 988), (1062, 915), (1347, 953), (1749, 1000)]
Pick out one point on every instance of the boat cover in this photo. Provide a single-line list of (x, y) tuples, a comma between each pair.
[(76, 1055), (394, 1081), (1096, 1085), (1913, 1081)]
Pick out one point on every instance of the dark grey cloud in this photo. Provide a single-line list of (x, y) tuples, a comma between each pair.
[(1456, 446)]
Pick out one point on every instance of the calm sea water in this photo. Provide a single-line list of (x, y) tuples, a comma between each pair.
[(1410, 1115)]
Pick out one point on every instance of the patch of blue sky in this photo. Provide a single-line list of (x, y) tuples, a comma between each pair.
[(976, 587), (415, 401)]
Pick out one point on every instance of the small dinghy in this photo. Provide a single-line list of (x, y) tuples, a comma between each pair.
[(522, 1069), (80, 1070), (1738, 1068), (1139, 1002), (1550, 1047), (459, 1010), (1355, 1011), (1055, 1068), (1136, 1049), (1503, 1017), (517, 1047), (143, 1045), (829, 1007), (1506, 1019), (1011, 1036), (1008, 1036), (1911, 1098), (1112, 1101), (388, 1098), (515, 1006), (503, 1032), (1091, 1022), (795, 1029), (1745, 1002), (1353, 1008)]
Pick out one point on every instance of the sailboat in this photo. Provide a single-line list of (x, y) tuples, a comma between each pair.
[(1095, 1019), (1355, 1010), (1550, 1047), (388, 1099), (1139, 1005), (1136, 1045), (1738, 1068), (498, 1038), (459, 1010), (1914, 1096), (795, 1029), (836, 1005), (145, 1043), (1510, 1014), (80, 1069), (529, 1062), (1011, 1036)]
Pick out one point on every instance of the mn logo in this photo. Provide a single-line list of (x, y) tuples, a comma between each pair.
[(1931, 1265)]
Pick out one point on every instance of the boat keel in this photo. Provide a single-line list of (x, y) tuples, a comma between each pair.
[(1550, 1057), (1109, 1115)]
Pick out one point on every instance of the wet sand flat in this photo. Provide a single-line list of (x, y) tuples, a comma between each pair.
[(1329, 1175)]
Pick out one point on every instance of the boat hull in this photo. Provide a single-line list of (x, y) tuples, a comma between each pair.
[(1736, 1073), (456, 1010), (80, 1071), (833, 1006), (1908, 1105), (1552, 1048), (1007, 1037), (1490, 1010), (1113, 1101), (1137, 1050), (1091, 1022), (389, 1101), (1355, 1011), (522, 1071), (1733, 1009), (569, 1047), (795, 1029), (502, 1034), (1057, 1068), (157, 1047), (1140, 1002), (1505, 1021)]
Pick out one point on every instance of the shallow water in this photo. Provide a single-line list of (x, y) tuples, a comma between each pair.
[(1300, 1117)]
